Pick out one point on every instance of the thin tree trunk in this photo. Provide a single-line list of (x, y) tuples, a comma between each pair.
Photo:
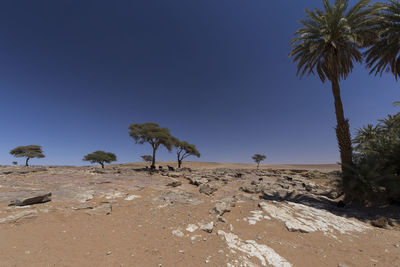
[(102, 165), (153, 161), (258, 165), (342, 128), (179, 163), (26, 162)]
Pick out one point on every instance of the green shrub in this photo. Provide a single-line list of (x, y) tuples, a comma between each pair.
[(375, 175)]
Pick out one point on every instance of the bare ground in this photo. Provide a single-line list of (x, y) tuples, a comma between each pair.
[(126, 217)]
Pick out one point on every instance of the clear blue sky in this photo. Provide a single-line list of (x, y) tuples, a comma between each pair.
[(76, 74)]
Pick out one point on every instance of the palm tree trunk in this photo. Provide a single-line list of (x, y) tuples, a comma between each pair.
[(342, 128)]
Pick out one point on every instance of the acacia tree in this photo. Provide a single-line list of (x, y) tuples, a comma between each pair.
[(147, 158), (184, 150), (100, 157), (153, 134), (329, 44), (384, 54), (258, 158), (28, 152)]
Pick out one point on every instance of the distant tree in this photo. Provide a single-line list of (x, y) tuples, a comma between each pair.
[(15, 163), (153, 134), (28, 152), (329, 43), (100, 157), (258, 158), (147, 158), (184, 150)]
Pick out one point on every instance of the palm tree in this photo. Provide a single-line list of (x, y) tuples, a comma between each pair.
[(329, 44), (384, 54), (365, 135)]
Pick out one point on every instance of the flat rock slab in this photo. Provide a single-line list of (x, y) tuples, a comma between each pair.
[(31, 200), (19, 215), (305, 219)]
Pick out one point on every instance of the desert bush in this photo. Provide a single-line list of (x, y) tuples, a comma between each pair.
[(375, 174)]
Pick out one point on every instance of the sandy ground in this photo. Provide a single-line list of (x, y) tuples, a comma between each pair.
[(124, 217)]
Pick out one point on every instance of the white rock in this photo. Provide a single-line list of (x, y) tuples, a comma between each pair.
[(207, 227), (114, 195), (177, 233), (84, 196), (132, 197), (264, 253), (191, 228), (299, 217), (195, 237)]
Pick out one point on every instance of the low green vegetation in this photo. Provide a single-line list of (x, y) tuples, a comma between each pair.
[(28, 152), (375, 175), (100, 157)]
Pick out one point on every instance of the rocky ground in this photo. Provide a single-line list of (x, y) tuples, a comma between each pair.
[(205, 215)]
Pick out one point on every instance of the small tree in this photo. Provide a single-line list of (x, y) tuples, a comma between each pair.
[(184, 150), (28, 152), (258, 158), (100, 157), (147, 158), (153, 134)]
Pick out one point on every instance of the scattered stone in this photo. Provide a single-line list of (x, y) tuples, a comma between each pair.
[(221, 219), (109, 252), (221, 207), (207, 227), (132, 197), (114, 195), (84, 206), (25, 214), (104, 209), (191, 228), (252, 189), (195, 237), (380, 222), (207, 189), (84, 196), (198, 181), (31, 200), (341, 265), (174, 174), (175, 183), (177, 233)]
